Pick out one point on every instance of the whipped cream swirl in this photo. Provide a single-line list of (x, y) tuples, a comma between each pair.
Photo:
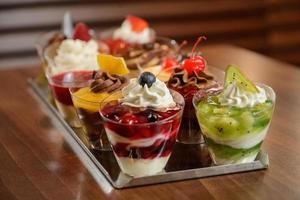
[(157, 96), (75, 55), (125, 33), (234, 96)]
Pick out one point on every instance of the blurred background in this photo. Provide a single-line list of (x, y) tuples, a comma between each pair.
[(271, 27)]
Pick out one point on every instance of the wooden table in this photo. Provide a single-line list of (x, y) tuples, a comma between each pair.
[(36, 163)]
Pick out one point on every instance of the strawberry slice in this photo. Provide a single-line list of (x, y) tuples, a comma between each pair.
[(81, 32), (137, 24)]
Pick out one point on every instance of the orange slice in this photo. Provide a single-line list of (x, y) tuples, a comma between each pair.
[(112, 64)]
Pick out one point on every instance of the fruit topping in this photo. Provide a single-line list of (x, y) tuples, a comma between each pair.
[(117, 46), (81, 32), (137, 24), (147, 78), (129, 119), (169, 64), (234, 75), (112, 64), (152, 117), (196, 63)]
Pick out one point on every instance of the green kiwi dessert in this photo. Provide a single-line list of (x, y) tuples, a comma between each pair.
[(235, 121)]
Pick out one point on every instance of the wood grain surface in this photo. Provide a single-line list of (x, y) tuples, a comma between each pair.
[(36, 163)]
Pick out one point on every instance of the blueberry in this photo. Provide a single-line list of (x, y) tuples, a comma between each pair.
[(147, 78), (152, 117)]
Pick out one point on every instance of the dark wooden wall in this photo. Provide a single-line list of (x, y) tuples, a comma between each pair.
[(271, 27)]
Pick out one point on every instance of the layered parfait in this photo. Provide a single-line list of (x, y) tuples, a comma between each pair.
[(138, 44), (142, 124), (187, 79), (70, 62), (235, 121), (87, 99)]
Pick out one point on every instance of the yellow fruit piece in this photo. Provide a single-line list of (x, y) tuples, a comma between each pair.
[(112, 64), (84, 98)]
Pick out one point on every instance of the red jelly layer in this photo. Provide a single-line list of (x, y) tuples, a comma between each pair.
[(130, 122), (60, 84)]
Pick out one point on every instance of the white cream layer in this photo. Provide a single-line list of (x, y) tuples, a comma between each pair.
[(139, 167), (157, 96), (115, 138), (142, 167), (233, 95), (75, 55)]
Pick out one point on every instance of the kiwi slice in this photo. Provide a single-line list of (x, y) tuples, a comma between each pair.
[(234, 75)]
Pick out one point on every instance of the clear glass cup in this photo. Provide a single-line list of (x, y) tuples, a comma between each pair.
[(139, 55), (141, 149), (60, 85), (43, 42), (44, 52), (190, 132), (233, 135), (92, 123)]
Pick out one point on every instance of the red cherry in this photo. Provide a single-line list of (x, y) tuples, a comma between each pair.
[(137, 24), (194, 63), (81, 32), (169, 63), (129, 119)]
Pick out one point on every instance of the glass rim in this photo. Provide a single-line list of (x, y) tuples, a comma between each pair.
[(271, 96), (72, 83), (107, 33), (166, 120)]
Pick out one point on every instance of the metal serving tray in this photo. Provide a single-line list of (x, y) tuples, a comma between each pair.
[(186, 161)]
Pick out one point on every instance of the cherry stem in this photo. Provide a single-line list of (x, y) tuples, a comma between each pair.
[(183, 43), (200, 39)]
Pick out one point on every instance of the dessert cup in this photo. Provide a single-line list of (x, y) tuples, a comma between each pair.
[(141, 149), (43, 41), (233, 135), (87, 100), (148, 55), (42, 44), (187, 86), (60, 84), (88, 114)]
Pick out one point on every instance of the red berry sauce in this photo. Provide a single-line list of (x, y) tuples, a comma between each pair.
[(134, 125)]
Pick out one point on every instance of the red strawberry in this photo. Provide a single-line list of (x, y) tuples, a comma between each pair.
[(137, 24), (81, 32)]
